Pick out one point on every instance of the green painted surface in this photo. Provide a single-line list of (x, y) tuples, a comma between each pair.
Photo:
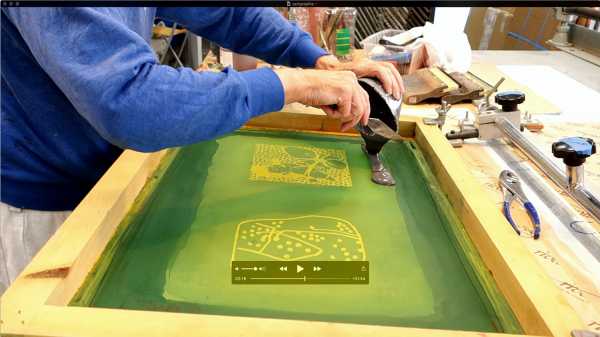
[(176, 253)]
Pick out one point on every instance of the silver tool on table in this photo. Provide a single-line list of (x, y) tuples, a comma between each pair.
[(511, 187)]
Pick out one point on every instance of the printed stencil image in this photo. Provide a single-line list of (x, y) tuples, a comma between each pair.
[(300, 165), (311, 237)]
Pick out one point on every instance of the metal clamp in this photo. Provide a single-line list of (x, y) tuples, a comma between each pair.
[(442, 112), (484, 105)]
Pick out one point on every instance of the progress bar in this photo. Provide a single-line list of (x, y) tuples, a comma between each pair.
[(300, 272)]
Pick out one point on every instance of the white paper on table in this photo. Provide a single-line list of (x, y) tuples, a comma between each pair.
[(577, 102)]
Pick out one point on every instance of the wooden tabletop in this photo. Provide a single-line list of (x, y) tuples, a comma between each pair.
[(575, 275)]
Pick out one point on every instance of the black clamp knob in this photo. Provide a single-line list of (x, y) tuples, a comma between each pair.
[(509, 99), (574, 150)]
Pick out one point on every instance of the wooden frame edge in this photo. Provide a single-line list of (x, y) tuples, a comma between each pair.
[(36, 303), (76, 321), (57, 271), (538, 304)]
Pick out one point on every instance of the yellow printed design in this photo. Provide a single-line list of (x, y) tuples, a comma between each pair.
[(300, 165), (311, 237)]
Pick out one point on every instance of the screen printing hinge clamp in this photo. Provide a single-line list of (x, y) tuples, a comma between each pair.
[(442, 112)]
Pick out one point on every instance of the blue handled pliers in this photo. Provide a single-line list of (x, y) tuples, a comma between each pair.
[(511, 186)]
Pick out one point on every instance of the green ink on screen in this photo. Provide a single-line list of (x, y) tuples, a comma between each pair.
[(176, 252)]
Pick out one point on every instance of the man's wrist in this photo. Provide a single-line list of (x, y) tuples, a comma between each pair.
[(293, 82), (327, 62)]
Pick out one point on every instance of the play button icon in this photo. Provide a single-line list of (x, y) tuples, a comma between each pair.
[(299, 268)]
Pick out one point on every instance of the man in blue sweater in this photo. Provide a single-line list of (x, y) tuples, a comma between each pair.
[(81, 84)]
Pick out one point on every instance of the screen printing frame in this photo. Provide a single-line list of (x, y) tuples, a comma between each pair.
[(37, 303)]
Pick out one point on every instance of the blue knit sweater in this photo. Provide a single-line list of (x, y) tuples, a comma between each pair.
[(81, 84)]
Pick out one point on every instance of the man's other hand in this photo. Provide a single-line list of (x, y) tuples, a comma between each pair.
[(336, 92), (385, 72)]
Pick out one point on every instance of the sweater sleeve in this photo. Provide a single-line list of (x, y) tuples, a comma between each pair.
[(111, 76), (260, 32)]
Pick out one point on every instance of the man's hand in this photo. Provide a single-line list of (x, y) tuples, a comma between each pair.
[(336, 92), (386, 72), (420, 58)]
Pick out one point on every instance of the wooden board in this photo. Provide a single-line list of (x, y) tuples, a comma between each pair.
[(513, 278), (489, 73), (467, 91), (421, 85), (36, 303)]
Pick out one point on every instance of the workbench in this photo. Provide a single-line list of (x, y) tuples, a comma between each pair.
[(540, 282), (579, 280)]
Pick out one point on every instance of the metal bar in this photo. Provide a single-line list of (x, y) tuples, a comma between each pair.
[(372, 18), (575, 176), (368, 22), (380, 20), (386, 19), (176, 57), (396, 19), (169, 40), (185, 38), (403, 15), (360, 25), (418, 14), (585, 197)]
